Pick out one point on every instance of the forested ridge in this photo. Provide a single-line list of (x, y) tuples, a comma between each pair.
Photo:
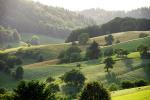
[(102, 16), (30, 17), (113, 26)]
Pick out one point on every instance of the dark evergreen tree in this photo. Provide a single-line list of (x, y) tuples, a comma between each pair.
[(93, 51), (109, 39)]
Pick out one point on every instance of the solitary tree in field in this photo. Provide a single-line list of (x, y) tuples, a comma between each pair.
[(83, 38), (109, 39), (109, 62), (94, 91)]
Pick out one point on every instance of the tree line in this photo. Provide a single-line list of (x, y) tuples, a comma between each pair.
[(113, 26)]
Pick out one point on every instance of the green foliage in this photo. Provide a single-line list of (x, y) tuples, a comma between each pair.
[(74, 77), (140, 83), (109, 62), (109, 39), (127, 84), (93, 51), (72, 54), (50, 79), (19, 73), (113, 26), (144, 51), (83, 38), (53, 88), (108, 52), (32, 90), (2, 90), (113, 87), (71, 90), (94, 91), (35, 40), (121, 53)]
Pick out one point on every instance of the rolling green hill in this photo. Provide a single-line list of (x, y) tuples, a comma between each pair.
[(93, 70), (141, 93)]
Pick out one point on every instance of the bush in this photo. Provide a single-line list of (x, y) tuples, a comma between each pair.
[(113, 87), (140, 83), (74, 77), (50, 79), (94, 91), (127, 84)]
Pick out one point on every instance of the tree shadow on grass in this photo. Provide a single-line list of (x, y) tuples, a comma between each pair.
[(112, 78)]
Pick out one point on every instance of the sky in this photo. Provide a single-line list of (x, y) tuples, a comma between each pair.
[(78, 5)]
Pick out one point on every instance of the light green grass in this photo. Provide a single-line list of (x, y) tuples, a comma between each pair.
[(141, 93), (93, 71), (132, 44)]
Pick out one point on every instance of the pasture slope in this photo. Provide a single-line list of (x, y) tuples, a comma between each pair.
[(140, 93)]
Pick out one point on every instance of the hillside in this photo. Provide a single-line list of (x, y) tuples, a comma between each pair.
[(29, 17), (93, 70), (102, 16), (121, 36), (141, 93), (113, 26), (51, 51)]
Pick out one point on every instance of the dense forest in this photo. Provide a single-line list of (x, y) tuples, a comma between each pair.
[(115, 25), (30, 17), (102, 16)]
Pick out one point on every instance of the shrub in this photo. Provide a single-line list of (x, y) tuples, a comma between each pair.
[(113, 87), (127, 84), (140, 83)]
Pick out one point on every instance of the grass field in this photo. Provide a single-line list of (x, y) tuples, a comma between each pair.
[(141, 93), (93, 71)]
